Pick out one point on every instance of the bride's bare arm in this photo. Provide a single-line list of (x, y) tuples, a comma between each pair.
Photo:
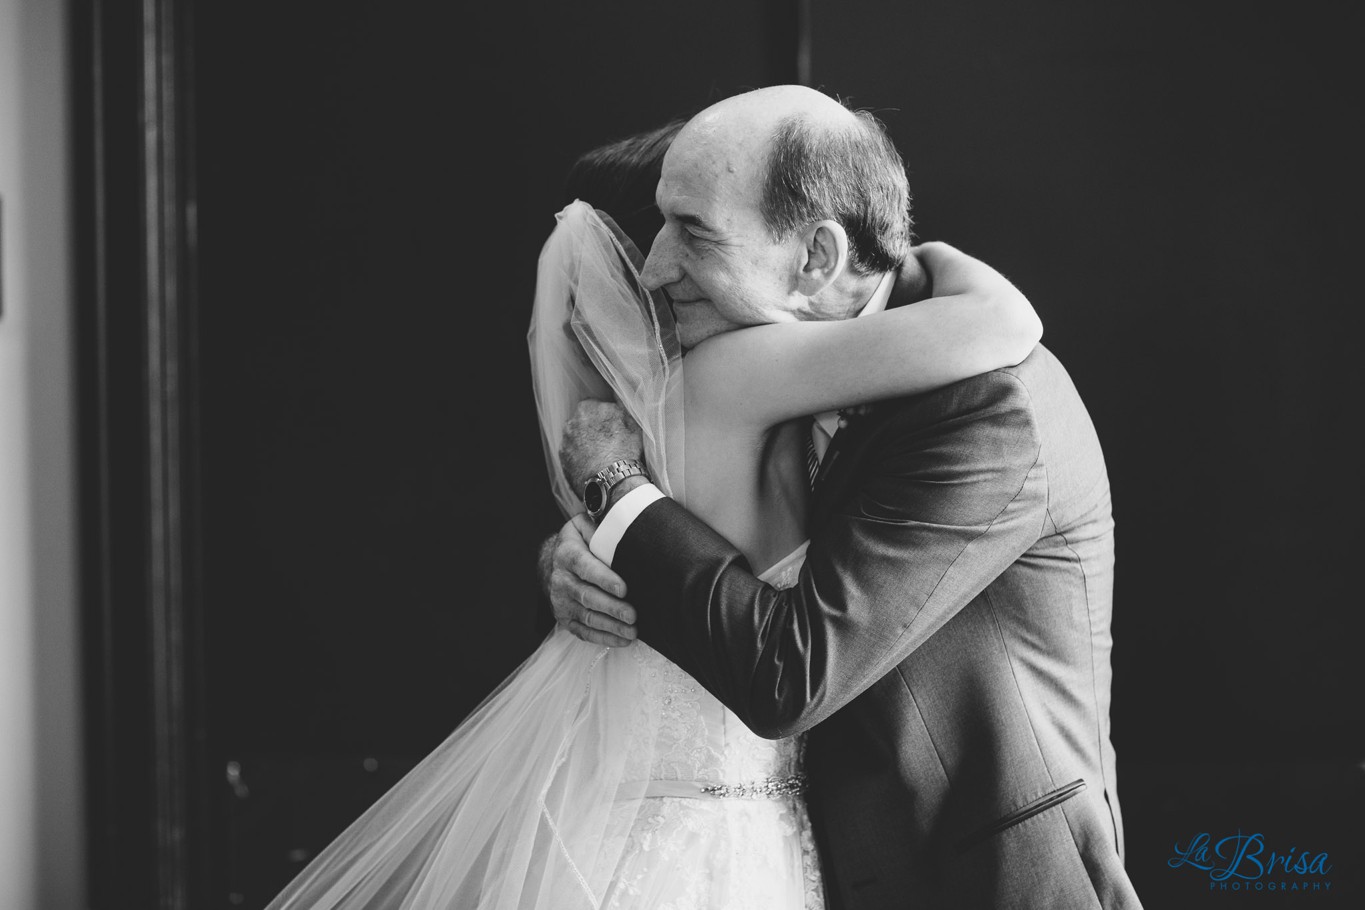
[(976, 322)]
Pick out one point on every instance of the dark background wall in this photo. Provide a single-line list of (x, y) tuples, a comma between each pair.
[(1175, 187)]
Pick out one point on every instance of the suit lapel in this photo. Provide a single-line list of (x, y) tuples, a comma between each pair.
[(835, 469)]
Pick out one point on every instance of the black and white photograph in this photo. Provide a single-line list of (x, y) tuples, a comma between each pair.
[(752, 455)]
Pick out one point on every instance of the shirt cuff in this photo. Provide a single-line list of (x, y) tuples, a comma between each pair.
[(619, 519)]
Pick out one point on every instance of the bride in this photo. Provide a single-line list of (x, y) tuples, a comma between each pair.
[(596, 777)]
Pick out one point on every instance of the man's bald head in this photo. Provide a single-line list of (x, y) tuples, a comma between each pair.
[(749, 121), (801, 156)]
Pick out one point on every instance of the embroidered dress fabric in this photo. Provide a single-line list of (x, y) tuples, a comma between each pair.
[(579, 782), (707, 853)]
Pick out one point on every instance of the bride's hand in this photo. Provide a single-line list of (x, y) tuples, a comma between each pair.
[(584, 593)]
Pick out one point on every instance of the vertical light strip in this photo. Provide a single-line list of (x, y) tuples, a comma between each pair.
[(166, 403)]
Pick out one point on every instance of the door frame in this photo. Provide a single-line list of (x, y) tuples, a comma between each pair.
[(141, 605)]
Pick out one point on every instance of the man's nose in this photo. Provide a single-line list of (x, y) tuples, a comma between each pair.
[(661, 264)]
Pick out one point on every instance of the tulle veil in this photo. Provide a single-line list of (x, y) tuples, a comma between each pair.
[(527, 804)]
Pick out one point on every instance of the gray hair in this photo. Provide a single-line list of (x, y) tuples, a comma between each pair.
[(850, 174)]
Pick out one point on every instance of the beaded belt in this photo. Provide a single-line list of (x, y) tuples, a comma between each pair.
[(768, 788)]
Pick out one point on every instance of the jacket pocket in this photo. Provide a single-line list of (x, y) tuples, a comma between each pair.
[(1041, 804)]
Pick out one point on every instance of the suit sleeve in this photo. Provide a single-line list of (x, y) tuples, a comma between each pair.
[(950, 492)]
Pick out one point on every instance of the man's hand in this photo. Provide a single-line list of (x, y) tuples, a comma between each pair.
[(598, 433), (584, 592)]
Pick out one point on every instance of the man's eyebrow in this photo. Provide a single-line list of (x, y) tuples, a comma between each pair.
[(696, 221), (686, 218)]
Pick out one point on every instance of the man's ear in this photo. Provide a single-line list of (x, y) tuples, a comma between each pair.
[(825, 247)]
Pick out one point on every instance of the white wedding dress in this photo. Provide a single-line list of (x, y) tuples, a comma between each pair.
[(695, 851), (592, 778)]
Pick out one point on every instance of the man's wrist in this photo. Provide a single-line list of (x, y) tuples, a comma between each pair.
[(622, 488), (603, 464), (616, 522), (598, 489)]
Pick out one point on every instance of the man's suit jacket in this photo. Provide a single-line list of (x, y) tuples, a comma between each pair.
[(947, 647)]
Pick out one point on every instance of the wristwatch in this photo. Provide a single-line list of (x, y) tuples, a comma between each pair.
[(597, 491)]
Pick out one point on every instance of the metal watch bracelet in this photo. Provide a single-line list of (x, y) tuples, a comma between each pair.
[(597, 490)]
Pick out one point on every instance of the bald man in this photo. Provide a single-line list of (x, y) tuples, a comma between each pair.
[(947, 647)]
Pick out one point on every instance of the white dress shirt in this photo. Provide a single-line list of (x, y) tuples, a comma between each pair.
[(823, 427)]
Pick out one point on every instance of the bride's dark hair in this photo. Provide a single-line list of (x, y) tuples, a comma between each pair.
[(620, 178)]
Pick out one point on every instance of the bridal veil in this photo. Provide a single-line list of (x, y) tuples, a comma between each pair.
[(526, 806)]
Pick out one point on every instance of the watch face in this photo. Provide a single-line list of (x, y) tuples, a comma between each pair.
[(592, 497)]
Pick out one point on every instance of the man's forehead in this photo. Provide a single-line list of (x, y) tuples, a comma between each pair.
[(704, 180)]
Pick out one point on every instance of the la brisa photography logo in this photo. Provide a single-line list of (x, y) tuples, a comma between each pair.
[(1246, 863)]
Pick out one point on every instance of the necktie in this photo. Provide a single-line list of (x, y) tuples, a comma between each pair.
[(812, 460), (818, 440)]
